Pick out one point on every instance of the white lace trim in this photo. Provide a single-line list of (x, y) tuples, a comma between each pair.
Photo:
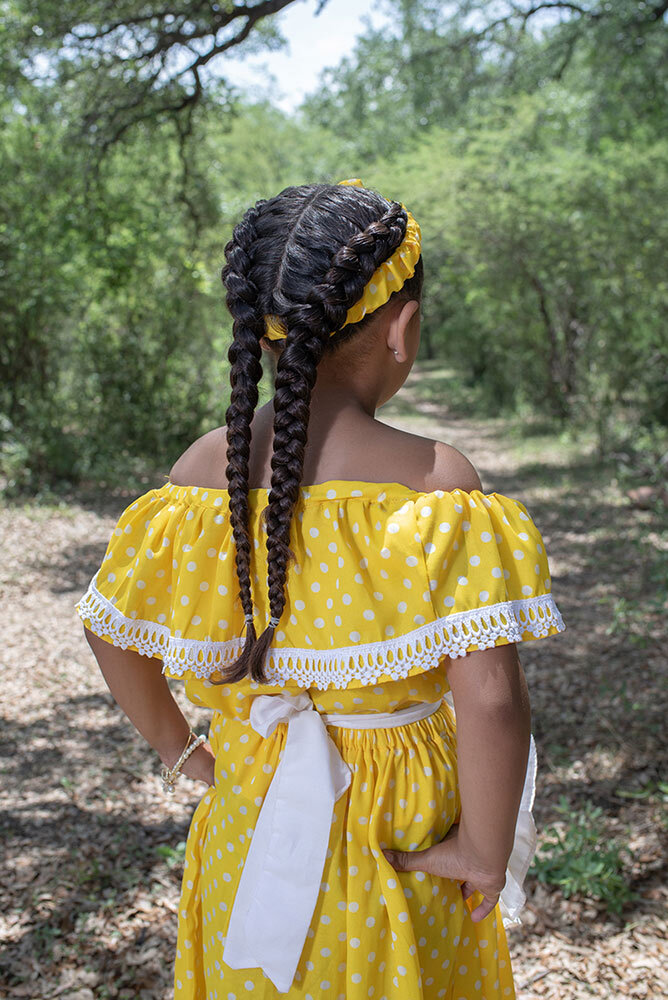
[(422, 648)]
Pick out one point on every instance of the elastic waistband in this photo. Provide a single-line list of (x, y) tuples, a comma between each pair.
[(383, 720)]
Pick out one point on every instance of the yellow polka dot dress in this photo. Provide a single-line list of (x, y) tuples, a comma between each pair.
[(387, 584)]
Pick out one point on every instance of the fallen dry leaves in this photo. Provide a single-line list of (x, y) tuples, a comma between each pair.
[(92, 877)]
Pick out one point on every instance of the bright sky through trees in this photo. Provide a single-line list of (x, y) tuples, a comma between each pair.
[(314, 42)]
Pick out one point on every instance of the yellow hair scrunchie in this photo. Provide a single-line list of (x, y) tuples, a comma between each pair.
[(386, 279)]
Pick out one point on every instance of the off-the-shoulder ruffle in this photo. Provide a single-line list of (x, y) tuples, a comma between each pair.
[(387, 582)]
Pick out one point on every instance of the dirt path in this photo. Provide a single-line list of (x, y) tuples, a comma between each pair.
[(91, 890)]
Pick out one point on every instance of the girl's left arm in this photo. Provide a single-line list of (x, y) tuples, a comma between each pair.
[(140, 688)]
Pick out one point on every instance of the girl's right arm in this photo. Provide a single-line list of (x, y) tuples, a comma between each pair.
[(139, 687), (493, 735)]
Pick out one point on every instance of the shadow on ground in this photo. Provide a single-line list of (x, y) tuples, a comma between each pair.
[(93, 848)]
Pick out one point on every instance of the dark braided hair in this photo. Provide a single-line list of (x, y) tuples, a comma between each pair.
[(245, 373), (304, 256)]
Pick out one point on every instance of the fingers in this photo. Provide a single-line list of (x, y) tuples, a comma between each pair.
[(434, 861), (484, 909), (486, 905), (411, 861), (401, 861), (467, 889)]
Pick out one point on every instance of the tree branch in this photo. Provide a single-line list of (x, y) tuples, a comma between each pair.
[(132, 54)]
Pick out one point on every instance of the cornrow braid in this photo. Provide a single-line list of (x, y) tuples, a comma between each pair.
[(245, 373), (309, 326)]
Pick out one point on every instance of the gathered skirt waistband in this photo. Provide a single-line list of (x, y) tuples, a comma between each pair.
[(383, 720)]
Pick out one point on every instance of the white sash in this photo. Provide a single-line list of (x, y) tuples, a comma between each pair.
[(282, 874)]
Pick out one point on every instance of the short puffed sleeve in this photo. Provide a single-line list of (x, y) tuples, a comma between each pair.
[(488, 570), (164, 586)]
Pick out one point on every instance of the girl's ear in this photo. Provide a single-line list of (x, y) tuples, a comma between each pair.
[(410, 309), (404, 316)]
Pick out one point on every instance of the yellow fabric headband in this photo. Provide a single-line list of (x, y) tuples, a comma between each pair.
[(388, 278)]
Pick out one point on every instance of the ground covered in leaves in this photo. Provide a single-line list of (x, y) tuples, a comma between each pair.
[(93, 847)]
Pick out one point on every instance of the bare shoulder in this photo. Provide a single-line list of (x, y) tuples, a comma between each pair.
[(427, 464), (422, 463), (451, 470), (203, 459)]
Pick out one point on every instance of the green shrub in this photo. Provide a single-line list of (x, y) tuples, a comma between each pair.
[(579, 857)]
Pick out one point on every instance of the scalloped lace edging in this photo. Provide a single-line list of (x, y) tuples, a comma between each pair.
[(423, 647)]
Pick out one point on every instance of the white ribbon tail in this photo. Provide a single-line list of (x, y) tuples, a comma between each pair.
[(513, 896), (282, 874)]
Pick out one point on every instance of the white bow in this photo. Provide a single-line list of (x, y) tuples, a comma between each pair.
[(281, 878)]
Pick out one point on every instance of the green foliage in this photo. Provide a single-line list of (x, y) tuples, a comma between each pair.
[(135, 61), (115, 336), (531, 152), (642, 453), (652, 791), (578, 857), (108, 309), (535, 161), (440, 65), (543, 279)]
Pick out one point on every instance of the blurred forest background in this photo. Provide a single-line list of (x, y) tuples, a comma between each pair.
[(528, 139)]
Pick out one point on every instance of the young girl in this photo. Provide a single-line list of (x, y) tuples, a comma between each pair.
[(355, 841)]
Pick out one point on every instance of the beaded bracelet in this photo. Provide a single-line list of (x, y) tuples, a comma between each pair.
[(169, 775)]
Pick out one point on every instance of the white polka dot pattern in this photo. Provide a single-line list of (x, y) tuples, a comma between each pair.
[(372, 928), (387, 582)]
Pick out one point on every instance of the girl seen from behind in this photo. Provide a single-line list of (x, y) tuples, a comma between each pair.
[(346, 600)]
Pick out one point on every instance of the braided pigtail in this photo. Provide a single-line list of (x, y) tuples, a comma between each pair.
[(309, 327), (245, 373)]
